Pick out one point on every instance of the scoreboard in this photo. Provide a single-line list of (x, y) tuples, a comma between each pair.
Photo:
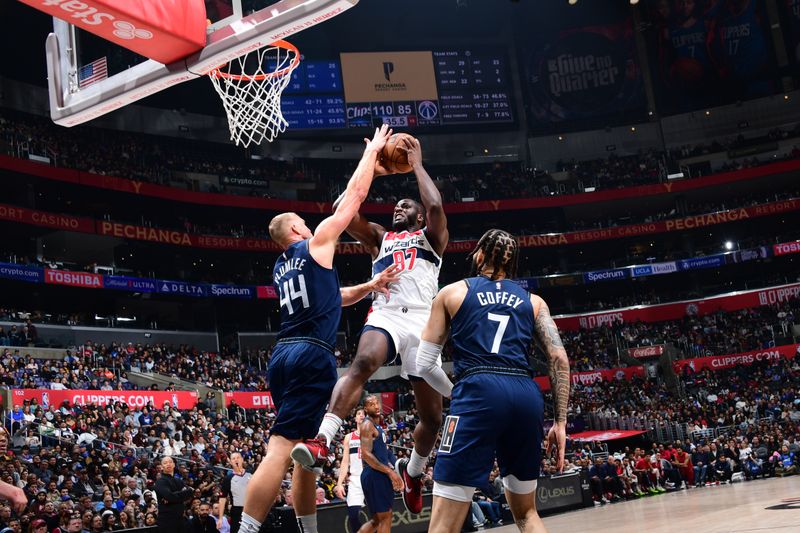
[(421, 89)]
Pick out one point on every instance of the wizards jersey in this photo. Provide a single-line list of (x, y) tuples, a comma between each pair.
[(419, 271), (355, 455)]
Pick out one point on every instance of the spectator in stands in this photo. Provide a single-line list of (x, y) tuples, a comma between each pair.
[(202, 522), (787, 462), (489, 508), (701, 459)]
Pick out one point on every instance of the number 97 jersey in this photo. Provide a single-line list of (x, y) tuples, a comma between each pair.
[(419, 271)]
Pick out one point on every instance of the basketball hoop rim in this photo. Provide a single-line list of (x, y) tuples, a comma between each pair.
[(286, 45)]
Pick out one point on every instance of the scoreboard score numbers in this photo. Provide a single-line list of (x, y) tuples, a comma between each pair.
[(420, 89)]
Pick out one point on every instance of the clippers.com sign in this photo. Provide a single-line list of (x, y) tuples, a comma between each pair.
[(166, 30), (157, 399)]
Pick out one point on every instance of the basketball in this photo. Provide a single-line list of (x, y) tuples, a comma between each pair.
[(687, 72), (396, 160)]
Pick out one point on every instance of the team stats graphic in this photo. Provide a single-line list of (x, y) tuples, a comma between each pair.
[(414, 89)]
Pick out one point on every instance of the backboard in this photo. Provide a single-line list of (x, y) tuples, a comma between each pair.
[(235, 28)]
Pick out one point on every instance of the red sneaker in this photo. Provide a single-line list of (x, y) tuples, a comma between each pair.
[(412, 487), (310, 453)]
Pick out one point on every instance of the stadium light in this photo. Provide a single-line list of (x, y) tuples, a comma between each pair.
[(573, 2), (728, 245)]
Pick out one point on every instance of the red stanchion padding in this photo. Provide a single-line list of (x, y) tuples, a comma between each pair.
[(164, 30)]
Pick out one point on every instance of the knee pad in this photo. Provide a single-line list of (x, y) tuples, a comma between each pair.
[(459, 493), (512, 484)]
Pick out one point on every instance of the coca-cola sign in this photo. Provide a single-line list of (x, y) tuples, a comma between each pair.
[(646, 352)]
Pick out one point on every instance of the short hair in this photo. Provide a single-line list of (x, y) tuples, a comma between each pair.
[(370, 397), (500, 251), (278, 226)]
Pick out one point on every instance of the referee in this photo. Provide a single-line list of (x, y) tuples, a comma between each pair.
[(234, 487)]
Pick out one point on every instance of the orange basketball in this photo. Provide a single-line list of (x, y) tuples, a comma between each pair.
[(396, 161), (687, 72)]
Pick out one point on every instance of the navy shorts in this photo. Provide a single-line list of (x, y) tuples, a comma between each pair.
[(378, 491), (491, 414), (301, 379)]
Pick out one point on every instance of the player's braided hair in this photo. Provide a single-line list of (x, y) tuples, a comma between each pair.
[(500, 252)]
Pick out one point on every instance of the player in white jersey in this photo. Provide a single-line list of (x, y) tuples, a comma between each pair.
[(350, 475), (415, 244)]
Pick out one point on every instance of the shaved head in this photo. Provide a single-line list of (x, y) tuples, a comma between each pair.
[(287, 228)]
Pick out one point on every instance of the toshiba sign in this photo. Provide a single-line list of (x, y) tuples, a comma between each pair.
[(786, 248)]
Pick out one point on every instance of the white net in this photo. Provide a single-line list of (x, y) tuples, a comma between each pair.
[(250, 87)]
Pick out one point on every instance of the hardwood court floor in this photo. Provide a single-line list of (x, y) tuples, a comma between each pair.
[(753, 506)]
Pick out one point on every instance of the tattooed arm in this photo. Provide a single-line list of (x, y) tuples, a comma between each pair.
[(549, 340)]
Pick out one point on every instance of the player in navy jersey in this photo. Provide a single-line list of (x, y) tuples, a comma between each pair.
[(378, 478), (302, 370), (738, 45), (415, 245), (685, 47), (496, 408), (792, 9)]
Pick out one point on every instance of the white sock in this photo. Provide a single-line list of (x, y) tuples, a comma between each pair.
[(329, 427), (307, 524), (249, 524), (416, 465)]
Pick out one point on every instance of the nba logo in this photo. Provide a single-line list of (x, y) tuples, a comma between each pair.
[(450, 426), (45, 399)]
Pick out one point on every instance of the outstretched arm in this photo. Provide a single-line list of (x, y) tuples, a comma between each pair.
[(434, 336), (379, 283), (548, 338), (323, 244), (430, 196)]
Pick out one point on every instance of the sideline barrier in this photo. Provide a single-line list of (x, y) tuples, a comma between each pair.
[(553, 495)]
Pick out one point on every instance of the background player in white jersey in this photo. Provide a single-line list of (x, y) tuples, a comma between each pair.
[(350, 475), (415, 245)]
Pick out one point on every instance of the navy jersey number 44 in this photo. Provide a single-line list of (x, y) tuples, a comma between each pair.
[(493, 327), (311, 304)]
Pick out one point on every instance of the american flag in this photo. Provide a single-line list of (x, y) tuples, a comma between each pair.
[(93, 72)]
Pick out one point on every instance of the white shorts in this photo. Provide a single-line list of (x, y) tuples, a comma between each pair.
[(405, 330), (355, 495)]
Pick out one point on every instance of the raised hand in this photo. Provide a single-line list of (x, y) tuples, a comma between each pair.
[(379, 139), (412, 148)]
